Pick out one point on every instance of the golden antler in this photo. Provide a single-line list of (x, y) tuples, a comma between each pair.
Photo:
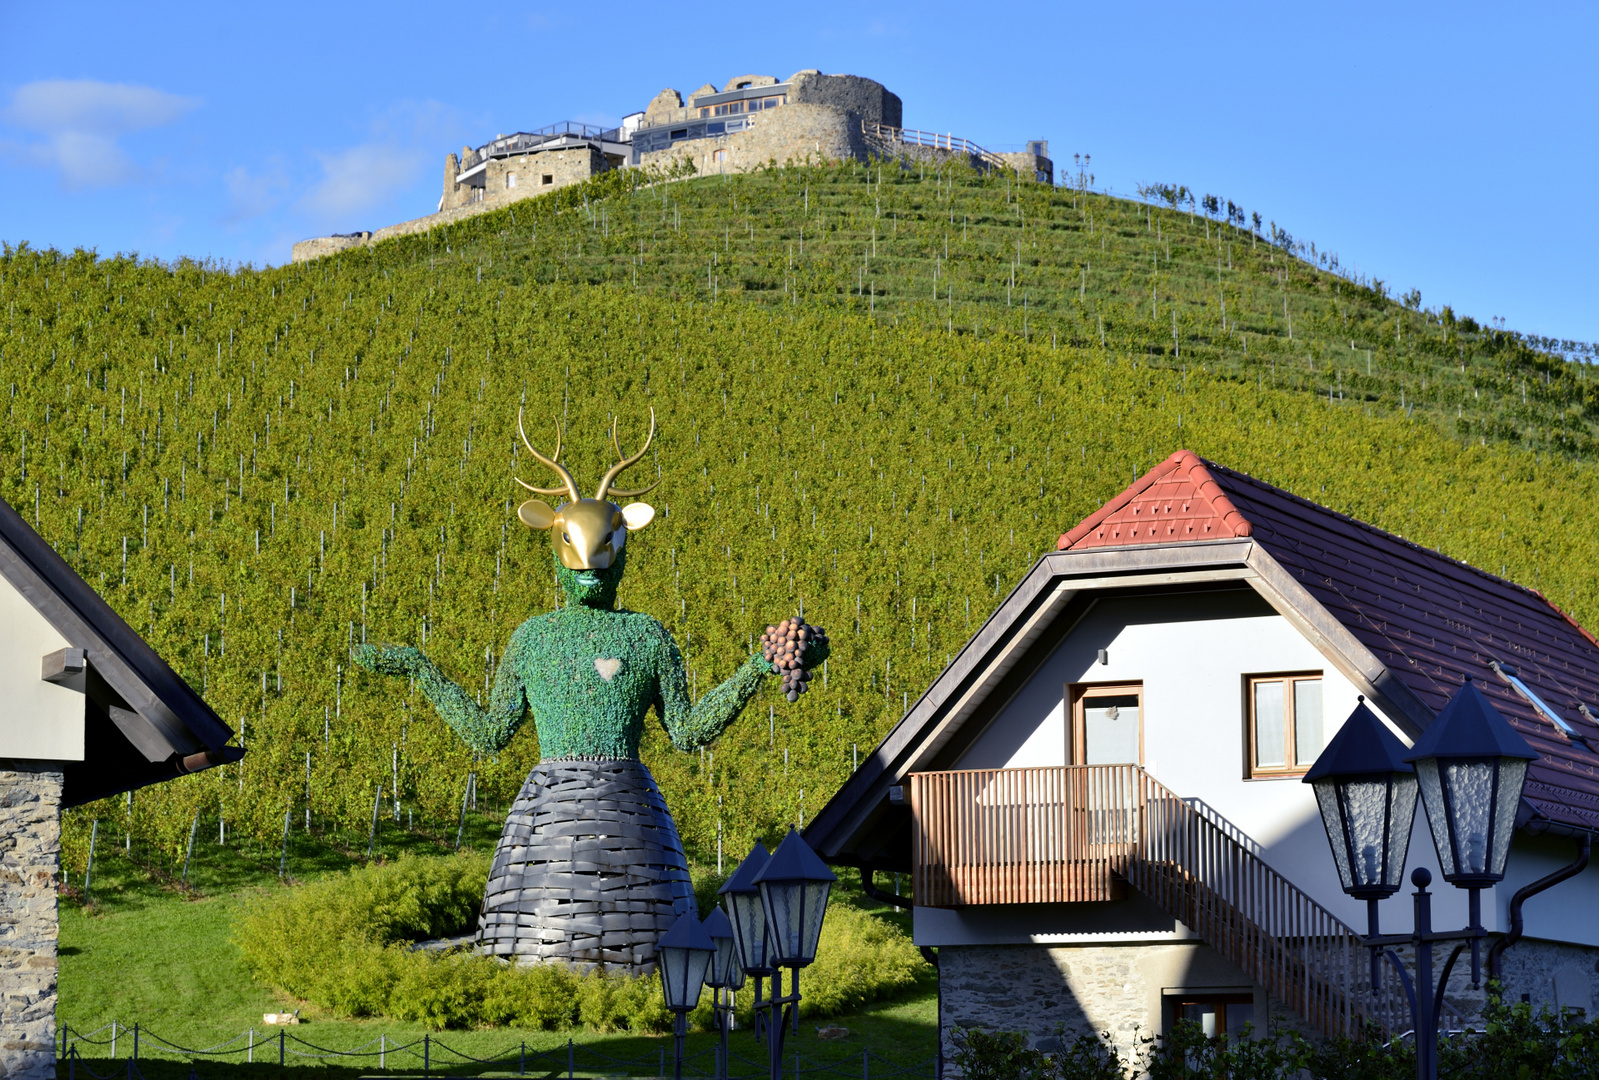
[(625, 462), (553, 462)]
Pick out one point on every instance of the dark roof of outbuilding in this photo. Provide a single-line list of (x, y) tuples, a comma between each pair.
[(144, 723), (1408, 624)]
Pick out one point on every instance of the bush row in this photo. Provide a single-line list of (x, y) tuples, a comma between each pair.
[(345, 944)]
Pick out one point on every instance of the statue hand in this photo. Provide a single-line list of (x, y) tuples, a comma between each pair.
[(388, 659)]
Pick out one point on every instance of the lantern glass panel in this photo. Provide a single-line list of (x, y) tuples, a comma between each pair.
[(794, 910), (1332, 819), (723, 964), (1512, 776), (1374, 814), (748, 916), (683, 976), (1471, 822)]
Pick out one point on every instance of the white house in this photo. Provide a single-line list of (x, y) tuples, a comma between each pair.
[(1100, 803), (87, 710)]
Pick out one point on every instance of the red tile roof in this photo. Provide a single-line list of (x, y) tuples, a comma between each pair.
[(1177, 500), (1432, 620)]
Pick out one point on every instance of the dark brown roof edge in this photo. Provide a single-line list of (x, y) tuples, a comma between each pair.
[(122, 657), (1368, 527)]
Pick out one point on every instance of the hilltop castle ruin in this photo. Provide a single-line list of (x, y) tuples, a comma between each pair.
[(753, 120)]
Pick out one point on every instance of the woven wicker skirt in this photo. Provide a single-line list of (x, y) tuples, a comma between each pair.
[(589, 870)]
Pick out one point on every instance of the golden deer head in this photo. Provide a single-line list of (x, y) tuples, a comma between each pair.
[(588, 534)]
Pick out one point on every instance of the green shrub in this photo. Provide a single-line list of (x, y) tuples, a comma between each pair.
[(344, 945)]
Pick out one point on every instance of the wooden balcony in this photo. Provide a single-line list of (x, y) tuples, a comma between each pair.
[(1088, 833), (1022, 836)]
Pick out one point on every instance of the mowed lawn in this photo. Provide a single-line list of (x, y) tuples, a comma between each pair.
[(162, 959)]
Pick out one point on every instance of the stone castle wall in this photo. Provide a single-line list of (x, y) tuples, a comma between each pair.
[(319, 246), (821, 122), (30, 861), (792, 133)]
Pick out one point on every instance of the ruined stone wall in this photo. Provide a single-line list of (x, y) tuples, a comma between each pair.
[(318, 246), (864, 98), (790, 133), (563, 167), (30, 861)]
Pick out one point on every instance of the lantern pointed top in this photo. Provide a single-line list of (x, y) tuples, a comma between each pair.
[(743, 879), (1470, 726), (1364, 745), (794, 861), (688, 933), (717, 924)]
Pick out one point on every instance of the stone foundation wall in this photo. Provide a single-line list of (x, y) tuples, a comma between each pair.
[(1550, 974), (30, 861), (1119, 989)]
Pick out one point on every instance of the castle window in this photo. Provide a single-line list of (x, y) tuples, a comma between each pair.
[(682, 133), (510, 180), (719, 155), (548, 179), (1285, 730), (742, 85)]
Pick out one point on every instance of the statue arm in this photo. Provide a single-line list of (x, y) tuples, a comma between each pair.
[(697, 724), (485, 730)]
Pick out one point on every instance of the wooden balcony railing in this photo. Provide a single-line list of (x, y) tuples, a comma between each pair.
[(1083, 833)]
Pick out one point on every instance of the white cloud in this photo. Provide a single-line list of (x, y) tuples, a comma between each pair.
[(251, 195), (359, 179), (81, 121)]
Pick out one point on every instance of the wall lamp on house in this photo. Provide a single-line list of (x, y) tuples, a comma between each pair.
[(1468, 768)]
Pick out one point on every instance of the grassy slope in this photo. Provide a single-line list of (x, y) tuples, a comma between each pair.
[(319, 452), (980, 256)]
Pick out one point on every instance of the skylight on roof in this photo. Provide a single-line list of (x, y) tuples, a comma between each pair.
[(1509, 674)]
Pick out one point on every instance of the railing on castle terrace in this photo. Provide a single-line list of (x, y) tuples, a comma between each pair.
[(523, 141), (933, 140)]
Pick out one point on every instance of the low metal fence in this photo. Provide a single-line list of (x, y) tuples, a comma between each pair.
[(124, 1048)]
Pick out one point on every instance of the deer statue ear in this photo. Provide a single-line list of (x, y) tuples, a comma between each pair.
[(637, 515), (536, 514)]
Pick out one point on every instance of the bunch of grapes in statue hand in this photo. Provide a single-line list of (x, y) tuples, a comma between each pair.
[(792, 648)]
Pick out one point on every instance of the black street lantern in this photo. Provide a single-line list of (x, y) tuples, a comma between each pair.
[(1471, 765), (1469, 768), (686, 952), (751, 941), (1367, 796), (724, 972), (794, 889), (746, 915)]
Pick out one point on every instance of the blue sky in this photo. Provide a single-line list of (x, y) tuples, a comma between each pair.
[(1440, 147)]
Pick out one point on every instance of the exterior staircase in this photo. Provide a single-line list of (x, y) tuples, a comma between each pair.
[(1085, 833)]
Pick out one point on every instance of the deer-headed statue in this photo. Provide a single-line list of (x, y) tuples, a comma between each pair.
[(589, 836)]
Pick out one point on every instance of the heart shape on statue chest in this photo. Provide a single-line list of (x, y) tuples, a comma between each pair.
[(607, 668)]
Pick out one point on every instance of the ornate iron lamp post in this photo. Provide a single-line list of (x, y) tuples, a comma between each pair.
[(723, 977), (1469, 767), (776, 905), (686, 952)]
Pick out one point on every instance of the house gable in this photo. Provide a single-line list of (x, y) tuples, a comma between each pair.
[(135, 721), (1403, 624)]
